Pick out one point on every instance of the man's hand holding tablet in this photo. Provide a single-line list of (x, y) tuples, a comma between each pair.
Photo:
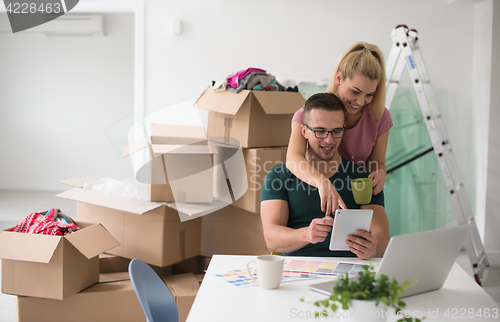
[(351, 232)]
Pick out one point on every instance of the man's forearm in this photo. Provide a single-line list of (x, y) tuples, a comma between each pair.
[(284, 239)]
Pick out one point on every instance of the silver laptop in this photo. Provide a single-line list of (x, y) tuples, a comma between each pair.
[(426, 256)]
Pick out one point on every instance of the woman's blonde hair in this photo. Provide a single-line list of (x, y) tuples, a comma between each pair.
[(368, 60)]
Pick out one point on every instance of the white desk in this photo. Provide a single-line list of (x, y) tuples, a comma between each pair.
[(219, 302)]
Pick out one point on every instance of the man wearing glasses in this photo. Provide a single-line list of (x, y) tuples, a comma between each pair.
[(292, 219)]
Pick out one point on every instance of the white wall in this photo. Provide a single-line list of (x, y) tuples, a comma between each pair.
[(481, 90), (58, 95), (492, 217), (289, 38), (302, 39)]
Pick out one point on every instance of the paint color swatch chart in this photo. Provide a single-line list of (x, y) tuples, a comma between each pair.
[(240, 277), (235, 277), (309, 268)]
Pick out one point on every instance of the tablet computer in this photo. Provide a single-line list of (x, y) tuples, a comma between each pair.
[(346, 222)]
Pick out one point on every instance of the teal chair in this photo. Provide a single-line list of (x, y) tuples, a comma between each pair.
[(156, 300)]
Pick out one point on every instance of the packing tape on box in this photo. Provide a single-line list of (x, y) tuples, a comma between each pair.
[(228, 124)]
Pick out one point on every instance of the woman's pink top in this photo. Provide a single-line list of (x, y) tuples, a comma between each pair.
[(358, 142)]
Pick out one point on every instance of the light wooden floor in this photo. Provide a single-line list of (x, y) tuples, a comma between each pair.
[(15, 205)]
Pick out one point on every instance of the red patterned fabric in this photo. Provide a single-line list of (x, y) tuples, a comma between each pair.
[(38, 223)]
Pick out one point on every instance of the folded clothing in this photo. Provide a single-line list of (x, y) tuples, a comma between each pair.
[(272, 86), (243, 82), (234, 80), (50, 222)]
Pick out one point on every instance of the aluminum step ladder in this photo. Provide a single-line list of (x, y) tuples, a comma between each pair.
[(406, 52)]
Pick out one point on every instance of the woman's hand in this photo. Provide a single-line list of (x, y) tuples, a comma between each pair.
[(378, 178), (330, 198)]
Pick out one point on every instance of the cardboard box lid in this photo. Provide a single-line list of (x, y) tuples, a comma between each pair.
[(134, 206), (188, 211), (230, 103), (113, 277), (280, 102), (91, 240), (27, 247), (106, 255), (79, 182), (159, 149), (139, 207), (221, 102), (136, 146), (171, 135), (177, 134)]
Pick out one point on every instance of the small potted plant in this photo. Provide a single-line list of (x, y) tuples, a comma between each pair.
[(365, 298)]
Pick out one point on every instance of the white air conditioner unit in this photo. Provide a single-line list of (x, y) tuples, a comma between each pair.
[(75, 25)]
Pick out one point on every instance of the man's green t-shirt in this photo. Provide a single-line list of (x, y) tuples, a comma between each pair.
[(304, 202)]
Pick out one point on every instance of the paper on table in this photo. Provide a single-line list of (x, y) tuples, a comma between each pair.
[(240, 278), (303, 268)]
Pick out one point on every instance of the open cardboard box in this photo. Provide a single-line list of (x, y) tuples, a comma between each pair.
[(53, 267), (254, 118), (150, 231), (175, 162)]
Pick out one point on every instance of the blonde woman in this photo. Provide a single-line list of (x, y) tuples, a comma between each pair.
[(358, 79)]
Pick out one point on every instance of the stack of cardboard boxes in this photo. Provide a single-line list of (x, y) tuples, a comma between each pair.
[(63, 276), (113, 298), (259, 122), (60, 277), (149, 231), (54, 275)]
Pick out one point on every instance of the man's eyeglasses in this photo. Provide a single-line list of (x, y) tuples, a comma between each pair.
[(323, 134)]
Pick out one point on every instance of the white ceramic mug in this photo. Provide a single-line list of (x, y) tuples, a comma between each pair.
[(269, 271)]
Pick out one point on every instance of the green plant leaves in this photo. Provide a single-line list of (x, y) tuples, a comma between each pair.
[(366, 287)]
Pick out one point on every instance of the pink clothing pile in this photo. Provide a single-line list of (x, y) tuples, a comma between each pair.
[(254, 79), (45, 223), (234, 80)]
